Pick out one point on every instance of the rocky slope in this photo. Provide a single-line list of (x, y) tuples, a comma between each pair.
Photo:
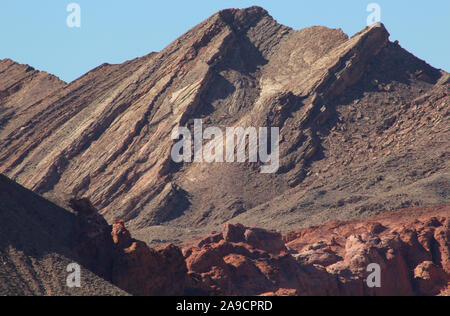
[(36, 240), (364, 129), (39, 239), (22, 91), (111, 252)]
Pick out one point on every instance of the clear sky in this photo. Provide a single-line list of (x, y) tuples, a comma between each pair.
[(36, 33)]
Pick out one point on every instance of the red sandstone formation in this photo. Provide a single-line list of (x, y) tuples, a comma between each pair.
[(129, 264), (141, 270), (411, 246)]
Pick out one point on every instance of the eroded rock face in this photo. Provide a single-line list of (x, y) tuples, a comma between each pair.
[(92, 239), (142, 270), (411, 246), (404, 243), (130, 264), (363, 129), (246, 261), (121, 236)]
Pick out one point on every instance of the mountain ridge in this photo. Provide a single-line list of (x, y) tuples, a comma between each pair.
[(106, 135)]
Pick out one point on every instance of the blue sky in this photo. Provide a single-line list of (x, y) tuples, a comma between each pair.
[(35, 32)]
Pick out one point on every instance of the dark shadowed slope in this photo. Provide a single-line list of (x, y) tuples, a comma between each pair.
[(36, 238)]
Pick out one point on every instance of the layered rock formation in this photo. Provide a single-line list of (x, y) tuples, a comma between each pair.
[(22, 91), (364, 129), (111, 252)]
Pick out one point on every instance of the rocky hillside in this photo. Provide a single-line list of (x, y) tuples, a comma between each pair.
[(36, 241), (22, 90), (364, 129)]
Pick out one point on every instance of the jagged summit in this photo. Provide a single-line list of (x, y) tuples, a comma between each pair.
[(241, 19), (8, 63), (22, 88), (362, 129)]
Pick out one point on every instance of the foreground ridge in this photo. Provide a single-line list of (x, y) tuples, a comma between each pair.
[(410, 245)]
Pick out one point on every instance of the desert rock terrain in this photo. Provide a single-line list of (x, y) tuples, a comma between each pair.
[(364, 167)]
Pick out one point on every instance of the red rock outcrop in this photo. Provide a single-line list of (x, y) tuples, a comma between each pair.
[(39, 239), (22, 91), (141, 270), (130, 264), (241, 267), (411, 246), (363, 130)]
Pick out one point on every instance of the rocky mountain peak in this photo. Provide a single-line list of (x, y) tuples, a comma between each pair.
[(363, 130), (352, 113), (243, 19)]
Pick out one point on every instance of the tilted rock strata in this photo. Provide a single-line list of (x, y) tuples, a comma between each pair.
[(22, 93), (107, 135)]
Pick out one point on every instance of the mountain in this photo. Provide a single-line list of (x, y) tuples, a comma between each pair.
[(363, 129), (22, 90)]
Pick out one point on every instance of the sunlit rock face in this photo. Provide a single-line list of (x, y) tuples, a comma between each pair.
[(363, 129)]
